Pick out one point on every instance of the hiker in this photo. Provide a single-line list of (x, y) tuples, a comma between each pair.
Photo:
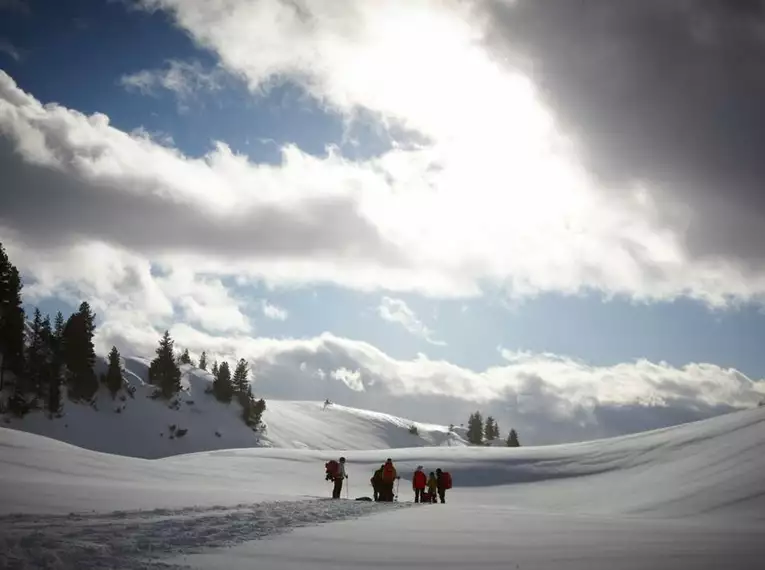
[(419, 481), (376, 481), (432, 487), (389, 477), (336, 473), (443, 482)]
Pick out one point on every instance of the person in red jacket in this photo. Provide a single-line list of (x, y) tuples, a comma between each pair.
[(419, 481), (389, 477)]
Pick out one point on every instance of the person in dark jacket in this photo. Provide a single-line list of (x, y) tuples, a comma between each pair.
[(376, 481), (441, 485)]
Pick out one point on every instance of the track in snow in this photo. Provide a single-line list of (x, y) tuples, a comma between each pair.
[(141, 539)]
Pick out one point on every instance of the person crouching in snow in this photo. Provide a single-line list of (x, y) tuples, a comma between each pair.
[(432, 487), (337, 477), (419, 481)]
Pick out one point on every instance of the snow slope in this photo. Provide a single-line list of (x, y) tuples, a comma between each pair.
[(691, 496), (140, 426)]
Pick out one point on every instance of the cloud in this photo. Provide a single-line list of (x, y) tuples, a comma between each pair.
[(183, 78), (72, 179), (397, 311), (548, 398), (274, 311), (10, 50), (666, 93), (495, 178)]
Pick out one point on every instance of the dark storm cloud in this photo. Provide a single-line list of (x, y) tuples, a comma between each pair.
[(671, 92)]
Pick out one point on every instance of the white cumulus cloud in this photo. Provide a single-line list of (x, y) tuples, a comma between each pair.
[(397, 311), (274, 312)]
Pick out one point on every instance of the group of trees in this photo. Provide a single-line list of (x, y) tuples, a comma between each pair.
[(226, 387), (45, 355), (42, 357), (480, 432)]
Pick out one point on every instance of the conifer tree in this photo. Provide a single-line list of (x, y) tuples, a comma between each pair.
[(114, 372), (489, 429), (252, 410), (475, 429), (55, 344), (185, 358), (203, 361), (11, 320), (58, 330), (35, 356), (79, 355), (215, 369), (222, 386), (163, 370), (512, 439), (239, 380)]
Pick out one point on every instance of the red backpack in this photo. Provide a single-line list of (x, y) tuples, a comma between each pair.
[(331, 467), (446, 477)]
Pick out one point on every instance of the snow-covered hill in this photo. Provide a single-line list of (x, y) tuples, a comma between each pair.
[(140, 426), (692, 496)]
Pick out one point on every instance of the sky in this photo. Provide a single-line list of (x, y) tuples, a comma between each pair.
[(549, 211)]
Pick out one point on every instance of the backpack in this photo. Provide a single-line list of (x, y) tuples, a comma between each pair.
[(388, 473), (331, 467), (447, 479)]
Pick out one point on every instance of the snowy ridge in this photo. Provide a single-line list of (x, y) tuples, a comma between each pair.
[(139, 426)]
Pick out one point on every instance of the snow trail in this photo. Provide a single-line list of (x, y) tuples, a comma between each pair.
[(142, 539)]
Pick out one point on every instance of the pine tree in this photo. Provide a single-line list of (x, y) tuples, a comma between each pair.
[(239, 380), (215, 369), (35, 356), (203, 361), (79, 355), (55, 344), (114, 372), (489, 429), (58, 329), (11, 320), (222, 386), (475, 429), (497, 433), (163, 370), (512, 439), (252, 410), (185, 358)]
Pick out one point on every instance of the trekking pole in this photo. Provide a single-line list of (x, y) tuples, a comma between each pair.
[(347, 488), (398, 480)]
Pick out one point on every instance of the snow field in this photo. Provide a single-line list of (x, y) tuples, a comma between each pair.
[(691, 496)]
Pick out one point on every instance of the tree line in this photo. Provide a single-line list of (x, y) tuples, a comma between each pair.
[(480, 432), (42, 357), (47, 354)]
